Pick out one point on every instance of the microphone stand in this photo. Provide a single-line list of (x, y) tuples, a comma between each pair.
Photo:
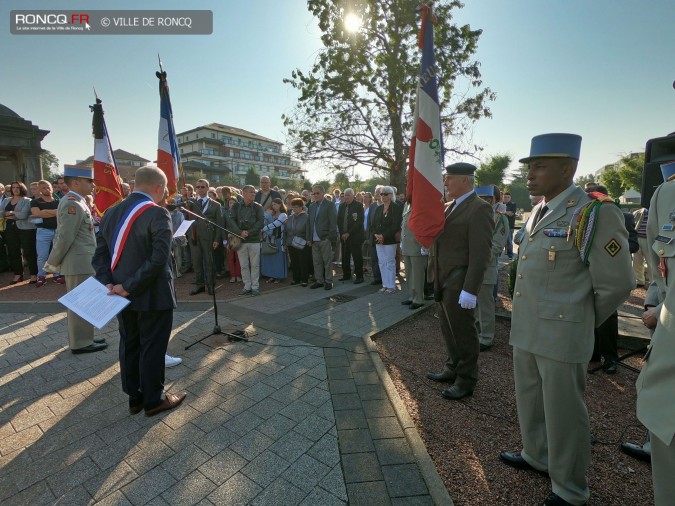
[(240, 335)]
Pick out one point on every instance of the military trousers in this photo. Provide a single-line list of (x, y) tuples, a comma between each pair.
[(80, 331), (486, 314), (554, 421), (458, 326), (663, 470), (415, 267)]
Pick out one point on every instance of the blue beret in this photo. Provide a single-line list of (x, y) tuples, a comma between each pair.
[(75, 171), (667, 169), (485, 191), (554, 146), (461, 169)]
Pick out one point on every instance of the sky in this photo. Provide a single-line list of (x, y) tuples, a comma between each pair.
[(599, 68)]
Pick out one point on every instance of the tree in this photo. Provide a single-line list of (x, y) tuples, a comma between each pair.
[(252, 177), (341, 181), (356, 103), (630, 169), (493, 171), (583, 180), (518, 189), (611, 180), (50, 166)]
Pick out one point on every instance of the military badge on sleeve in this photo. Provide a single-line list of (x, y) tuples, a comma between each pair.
[(72, 210), (612, 247)]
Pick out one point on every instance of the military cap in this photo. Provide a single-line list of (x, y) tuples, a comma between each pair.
[(75, 171), (668, 170), (554, 146), (461, 169), (485, 191)]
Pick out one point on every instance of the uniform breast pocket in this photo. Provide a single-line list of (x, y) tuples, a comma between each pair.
[(560, 312), (558, 252)]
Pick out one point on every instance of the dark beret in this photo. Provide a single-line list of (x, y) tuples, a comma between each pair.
[(461, 169)]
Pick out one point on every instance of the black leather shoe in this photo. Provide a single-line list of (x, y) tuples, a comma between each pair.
[(134, 409), (328, 285), (376, 282), (315, 285), (609, 367), (555, 500), (442, 377), (92, 348), (456, 392), (485, 347), (516, 460), (358, 281), (414, 306), (100, 340), (198, 289), (406, 302), (636, 451)]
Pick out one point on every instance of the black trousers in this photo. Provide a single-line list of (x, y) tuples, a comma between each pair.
[(352, 247), (606, 336), (144, 337), (17, 241), (301, 263)]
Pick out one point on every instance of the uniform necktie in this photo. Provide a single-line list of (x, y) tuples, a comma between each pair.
[(542, 212)]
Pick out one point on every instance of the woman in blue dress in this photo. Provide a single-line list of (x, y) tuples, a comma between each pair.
[(275, 265)]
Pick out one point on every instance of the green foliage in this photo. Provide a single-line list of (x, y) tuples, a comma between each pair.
[(252, 177), (355, 105), (50, 166), (630, 169), (582, 180), (341, 181), (611, 180), (493, 171), (518, 189)]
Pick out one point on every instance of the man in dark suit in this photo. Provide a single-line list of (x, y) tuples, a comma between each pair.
[(350, 227), (140, 268), (322, 231), (462, 254), (204, 237)]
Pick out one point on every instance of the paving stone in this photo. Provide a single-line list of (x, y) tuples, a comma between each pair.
[(313, 427), (360, 467), (147, 486), (206, 401), (367, 494), (279, 492), (106, 483), (378, 408), (223, 466), (287, 394), (419, 500), (404, 480), (235, 491), (189, 490), (213, 418), (217, 440), (251, 444), (355, 441), (151, 456), (335, 373), (238, 404), (72, 476), (267, 408), (244, 422), (316, 396), (183, 437), (276, 426), (346, 401), (326, 411), (77, 495), (291, 445), (20, 440), (326, 450), (393, 451), (337, 361), (265, 468), (350, 419), (319, 497), (342, 386), (277, 380), (371, 392), (34, 495), (334, 482), (185, 461), (387, 427), (306, 472), (298, 410)]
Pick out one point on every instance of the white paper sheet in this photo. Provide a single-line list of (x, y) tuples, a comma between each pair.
[(180, 232), (91, 301)]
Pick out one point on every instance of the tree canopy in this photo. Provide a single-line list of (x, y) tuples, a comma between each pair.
[(50, 166), (493, 171), (356, 103)]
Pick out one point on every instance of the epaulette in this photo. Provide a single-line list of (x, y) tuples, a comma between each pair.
[(586, 219), (71, 197), (601, 197)]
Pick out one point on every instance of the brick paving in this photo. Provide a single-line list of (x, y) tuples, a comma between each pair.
[(303, 413)]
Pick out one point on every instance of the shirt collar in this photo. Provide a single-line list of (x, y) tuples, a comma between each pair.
[(461, 199), (139, 192), (561, 197)]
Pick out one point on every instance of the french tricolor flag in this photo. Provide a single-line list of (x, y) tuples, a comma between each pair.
[(108, 190), (425, 172), (168, 156)]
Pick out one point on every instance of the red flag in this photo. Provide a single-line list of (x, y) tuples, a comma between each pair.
[(168, 156), (108, 190), (425, 172)]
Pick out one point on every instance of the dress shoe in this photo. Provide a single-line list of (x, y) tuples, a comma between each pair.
[(328, 285), (456, 392), (406, 302), (485, 347), (376, 282), (555, 500), (636, 451), (99, 340), (442, 377), (136, 408), (41, 281), (17, 280), (609, 367), (414, 306), (91, 348), (315, 285), (170, 401), (358, 281), (255, 293), (516, 460), (198, 289)]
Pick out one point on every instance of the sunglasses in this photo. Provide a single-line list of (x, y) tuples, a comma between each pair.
[(385, 194)]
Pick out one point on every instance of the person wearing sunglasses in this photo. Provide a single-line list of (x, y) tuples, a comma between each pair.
[(386, 225)]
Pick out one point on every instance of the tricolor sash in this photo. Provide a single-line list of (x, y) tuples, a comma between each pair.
[(124, 227)]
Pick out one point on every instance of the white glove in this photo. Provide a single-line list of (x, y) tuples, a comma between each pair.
[(466, 300), (424, 252)]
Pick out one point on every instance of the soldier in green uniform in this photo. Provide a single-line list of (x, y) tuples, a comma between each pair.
[(72, 250), (574, 271), (656, 384)]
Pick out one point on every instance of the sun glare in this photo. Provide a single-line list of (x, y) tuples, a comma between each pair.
[(352, 22)]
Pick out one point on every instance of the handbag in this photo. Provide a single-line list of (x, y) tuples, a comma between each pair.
[(298, 243), (269, 248)]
